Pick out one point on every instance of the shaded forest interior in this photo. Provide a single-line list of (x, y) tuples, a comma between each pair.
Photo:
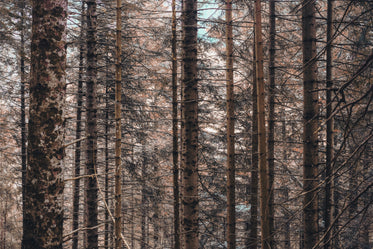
[(186, 124)]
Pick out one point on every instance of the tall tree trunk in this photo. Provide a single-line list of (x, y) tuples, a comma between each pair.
[(118, 127), (144, 202), (175, 148), (231, 204), (262, 145), (310, 125), (76, 184), (189, 160), (107, 168), (23, 105), (44, 178), (271, 119), (286, 229), (252, 241), (329, 178), (91, 126)]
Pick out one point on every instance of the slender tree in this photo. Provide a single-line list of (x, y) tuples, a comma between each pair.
[(189, 161), (76, 184), (262, 145), (43, 206), (310, 124), (231, 211), (329, 178), (23, 105), (118, 127), (91, 126), (252, 241), (175, 148), (271, 119)]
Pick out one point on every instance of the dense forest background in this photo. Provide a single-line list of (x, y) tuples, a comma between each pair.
[(189, 124)]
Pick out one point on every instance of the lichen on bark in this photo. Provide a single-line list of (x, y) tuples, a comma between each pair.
[(44, 181)]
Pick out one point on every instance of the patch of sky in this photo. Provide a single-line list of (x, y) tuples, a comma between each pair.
[(208, 11)]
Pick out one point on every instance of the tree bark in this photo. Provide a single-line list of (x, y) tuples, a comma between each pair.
[(271, 119), (189, 160), (329, 176), (23, 106), (76, 184), (43, 206), (175, 148), (91, 126), (310, 125), (118, 127), (252, 241), (262, 145), (231, 203)]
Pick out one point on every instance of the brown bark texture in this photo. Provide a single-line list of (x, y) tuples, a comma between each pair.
[(271, 119), (118, 127), (310, 125), (231, 183), (189, 161), (76, 184), (252, 241), (91, 126), (262, 143), (43, 206), (175, 147), (329, 178)]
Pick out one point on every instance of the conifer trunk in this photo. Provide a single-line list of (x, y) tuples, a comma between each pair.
[(252, 241), (91, 127), (271, 119), (23, 104), (43, 206), (262, 145), (118, 127), (78, 130), (310, 125), (189, 161), (175, 147), (329, 178), (231, 212)]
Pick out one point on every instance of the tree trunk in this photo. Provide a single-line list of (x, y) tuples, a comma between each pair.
[(175, 148), (263, 170), (91, 126), (107, 168), (310, 125), (271, 120), (252, 241), (23, 106), (329, 178), (189, 160), (118, 127), (44, 183), (76, 184), (231, 204)]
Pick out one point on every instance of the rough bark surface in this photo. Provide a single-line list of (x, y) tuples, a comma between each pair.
[(118, 127), (91, 127), (43, 225), (262, 144), (175, 147), (231, 170), (310, 125), (252, 241), (76, 184), (189, 162), (271, 120), (329, 178)]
